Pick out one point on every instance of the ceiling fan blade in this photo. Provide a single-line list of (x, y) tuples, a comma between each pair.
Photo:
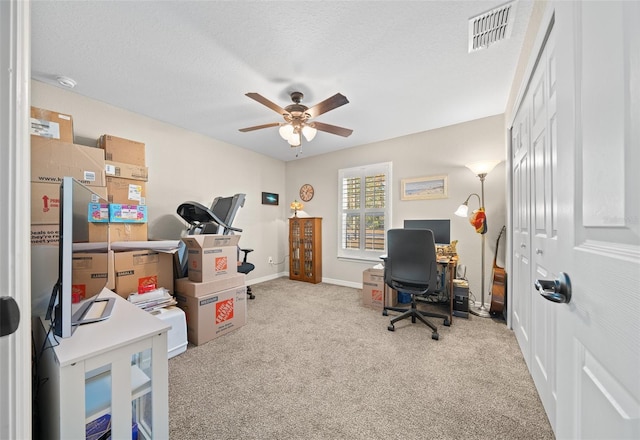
[(258, 127), (328, 104), (264, 101), (333, 129)]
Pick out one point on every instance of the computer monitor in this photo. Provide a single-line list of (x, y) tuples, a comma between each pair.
[(441, 228), (71, 301)]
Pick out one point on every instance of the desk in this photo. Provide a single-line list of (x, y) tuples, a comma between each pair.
[(449, 266)]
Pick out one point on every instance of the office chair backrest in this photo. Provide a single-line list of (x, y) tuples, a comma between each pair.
[(411, 258)]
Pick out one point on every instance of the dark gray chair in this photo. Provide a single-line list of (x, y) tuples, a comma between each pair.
[(411, 267)]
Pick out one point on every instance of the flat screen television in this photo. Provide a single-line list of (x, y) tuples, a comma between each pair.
[(441, 228), (67, 309)]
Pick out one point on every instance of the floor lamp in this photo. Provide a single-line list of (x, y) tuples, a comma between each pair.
[(479, 221)]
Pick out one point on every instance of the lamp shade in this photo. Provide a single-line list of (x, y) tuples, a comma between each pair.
[(462, 211), (309, 132), (483, 166), (285, 130), (294, 139)]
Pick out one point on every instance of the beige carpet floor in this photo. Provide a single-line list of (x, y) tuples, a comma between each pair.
[(313, 363)]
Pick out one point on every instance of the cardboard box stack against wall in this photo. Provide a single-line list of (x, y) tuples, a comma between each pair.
[(126, 175), (119, 181), (213, 296)]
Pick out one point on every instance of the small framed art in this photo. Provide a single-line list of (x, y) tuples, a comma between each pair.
[(422, 188), (269, 198)]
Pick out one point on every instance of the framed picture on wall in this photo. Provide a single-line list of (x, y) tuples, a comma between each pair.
[(270, 198), (422, 188)]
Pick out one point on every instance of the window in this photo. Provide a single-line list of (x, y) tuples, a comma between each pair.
[(365, 211)]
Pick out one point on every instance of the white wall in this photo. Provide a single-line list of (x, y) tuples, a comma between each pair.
[(185, 166), (441, 151)]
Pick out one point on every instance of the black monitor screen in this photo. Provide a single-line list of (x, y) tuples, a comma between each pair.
[(441, 228)]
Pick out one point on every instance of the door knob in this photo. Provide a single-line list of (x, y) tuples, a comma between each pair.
[(558, 291)]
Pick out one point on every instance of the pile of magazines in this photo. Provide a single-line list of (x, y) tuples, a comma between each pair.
[(153, 300)]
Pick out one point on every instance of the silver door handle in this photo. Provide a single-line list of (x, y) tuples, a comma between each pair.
[(558, 291)]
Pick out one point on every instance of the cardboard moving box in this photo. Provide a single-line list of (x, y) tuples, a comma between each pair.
[(48, 235), (51, 160), (90, 272), (123, 150), (45, 202), (374, 290), (186, 287), (142, 271), (211, 256), (126, 191), (213, 315), (126, 170), (50, 124), (118, 232)]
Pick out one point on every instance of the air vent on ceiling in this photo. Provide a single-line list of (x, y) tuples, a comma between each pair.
[(490, 27)]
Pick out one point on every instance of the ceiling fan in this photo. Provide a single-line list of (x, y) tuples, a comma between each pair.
[(297, 118)]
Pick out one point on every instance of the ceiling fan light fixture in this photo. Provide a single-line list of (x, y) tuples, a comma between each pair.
[(309, 132)]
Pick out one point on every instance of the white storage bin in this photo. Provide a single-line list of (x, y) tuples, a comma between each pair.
[(177, 335)]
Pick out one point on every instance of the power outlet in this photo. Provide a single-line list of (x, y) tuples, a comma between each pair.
[(270, 260)]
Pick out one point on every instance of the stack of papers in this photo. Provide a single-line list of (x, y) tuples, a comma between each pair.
[(154, 300)]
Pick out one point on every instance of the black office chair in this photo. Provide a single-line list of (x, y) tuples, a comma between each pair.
[(215, 220), (245, 267), (411, 267)]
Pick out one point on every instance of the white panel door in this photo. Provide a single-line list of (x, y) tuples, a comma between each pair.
[(521, 239), (544, 243), (598, 365), (535, 232)]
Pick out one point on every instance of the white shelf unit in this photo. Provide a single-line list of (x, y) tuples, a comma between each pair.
[(118, 367)]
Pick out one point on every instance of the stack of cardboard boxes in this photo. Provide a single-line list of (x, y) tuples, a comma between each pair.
[(126, 177), (121, 183), (213, 296), (53, 156)]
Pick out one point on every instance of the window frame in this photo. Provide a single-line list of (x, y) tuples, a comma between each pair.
[(363, 171)]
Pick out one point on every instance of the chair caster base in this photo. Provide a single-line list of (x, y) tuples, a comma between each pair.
[(391, 328), (435, 336), (384, 312), (252, 296), (447, 323)]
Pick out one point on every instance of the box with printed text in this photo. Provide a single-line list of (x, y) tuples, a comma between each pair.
[(213, 315), (374, 290), (212, 257), (142, 271), (51, 160), (50, 124)]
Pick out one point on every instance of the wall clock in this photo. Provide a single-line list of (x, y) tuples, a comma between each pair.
[(306, 192)]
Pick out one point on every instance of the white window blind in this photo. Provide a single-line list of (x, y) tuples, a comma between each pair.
[(365, 211)]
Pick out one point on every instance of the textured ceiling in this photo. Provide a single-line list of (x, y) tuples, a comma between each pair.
[(403, 65)]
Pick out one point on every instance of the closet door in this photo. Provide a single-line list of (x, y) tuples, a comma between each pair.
[(521, 239), (535, 225)]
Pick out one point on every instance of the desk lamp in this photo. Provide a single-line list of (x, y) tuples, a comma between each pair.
[(296, 206), (479, 221)]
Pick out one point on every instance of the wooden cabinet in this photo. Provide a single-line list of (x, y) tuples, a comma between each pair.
[(305, 249), (113, 369)]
